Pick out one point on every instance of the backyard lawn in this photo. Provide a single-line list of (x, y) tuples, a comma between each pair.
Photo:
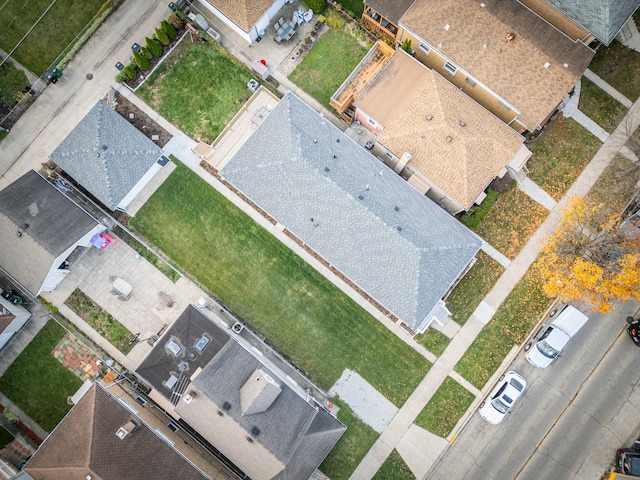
[(473, 287), (201, 92), (445, 408), (273, 289), (50, 37), (354, 6), (599, 106), (618, 66), (23, 382), (394, 468), (512, 221), (328, 64), (352, 446), (560, 154)]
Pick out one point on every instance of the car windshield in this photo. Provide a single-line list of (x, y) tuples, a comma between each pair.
[(516, 384), (500, 406), (547, 350)]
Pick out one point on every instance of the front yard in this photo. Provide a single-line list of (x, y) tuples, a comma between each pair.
[(273, 289), (616, 186), (394, 468), (599, 106), (618, 66), (37, 383)]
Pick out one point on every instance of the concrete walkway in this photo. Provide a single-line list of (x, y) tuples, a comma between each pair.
[(532, 189), (608, 88)]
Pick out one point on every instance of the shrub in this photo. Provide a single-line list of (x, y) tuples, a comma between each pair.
[(169, 29), (154, 47), (130, 71), (406, 45), (144, 51), (176, 21), (141, 62), (335, 20), (162, 36), (121, 77), (12, 81), (317, 6)]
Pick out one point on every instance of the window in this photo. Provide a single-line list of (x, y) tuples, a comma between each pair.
[(451, 68), (424, 48), (504, 105), (471, 81), (374, 15)]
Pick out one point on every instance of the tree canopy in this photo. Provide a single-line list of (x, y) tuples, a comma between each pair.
[(593, 256)]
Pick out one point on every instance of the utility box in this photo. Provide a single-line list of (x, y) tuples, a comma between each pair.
[(260, 69)]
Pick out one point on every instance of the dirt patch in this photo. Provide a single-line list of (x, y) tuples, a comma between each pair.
[(141, 121), (502, 184)]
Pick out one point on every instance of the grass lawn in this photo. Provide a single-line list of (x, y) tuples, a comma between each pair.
[(473, 287), (201, 92), (560, 154), (273, 289), (434, 341), (394, 468), (100, 320), (618, 66), (616, 186), (445, 408), (354, 6), (51, 36), (328, 64), (511, 324), (634, 142), (512, 221), (37, 383), (599, 106), (352, 446)]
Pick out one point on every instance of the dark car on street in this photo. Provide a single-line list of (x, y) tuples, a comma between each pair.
[(634, 330)]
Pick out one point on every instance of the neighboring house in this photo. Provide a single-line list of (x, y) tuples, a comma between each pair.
[(234, 397), (41, 232), (500, 53), (102, 438), (395, 244), (245, 17), (12, 319), (109, 157), (603, 19), (447, 145), (383, 16)]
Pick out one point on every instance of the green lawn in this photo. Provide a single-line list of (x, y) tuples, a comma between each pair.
[(445, 408), (616, 186), (618, 66), (599, 106), (303, 314), (560, 154), (354, 6), (394, 468), (511, 324), (327, 65), (201, 92), (473, 287), (352, 446), (37, 383), (434, 341), (512, 221), (51, 36), (100, 320), (634, 142)]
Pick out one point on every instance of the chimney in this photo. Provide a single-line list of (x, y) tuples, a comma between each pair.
[(406, 156), (126, 429)]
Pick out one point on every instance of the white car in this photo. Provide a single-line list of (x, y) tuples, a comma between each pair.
[(502, 397)]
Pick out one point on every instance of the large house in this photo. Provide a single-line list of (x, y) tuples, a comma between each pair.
[(109, 157), (41, 232), (392, 242), (499, 52), (447, 145), (238, 400)]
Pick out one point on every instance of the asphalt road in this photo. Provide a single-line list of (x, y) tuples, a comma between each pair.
[(571, 419)]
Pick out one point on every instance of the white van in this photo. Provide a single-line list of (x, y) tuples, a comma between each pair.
[(552, 337)]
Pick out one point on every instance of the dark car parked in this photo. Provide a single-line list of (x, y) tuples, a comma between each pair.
[(628, 462), (634, 330)]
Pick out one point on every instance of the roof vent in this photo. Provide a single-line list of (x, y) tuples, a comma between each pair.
[(429, 117), (25, 226), (360, 197), (337, 140), (566, 65), (255, 431), (510, 36), (315, 140), (486, 44), (249, 439), (19, 233), (447, 27), (399, 229), (104, 147), (220, 414), (366, 187), (440, 44), (397, 209), (226, 406), (326, 169), (334, 157), (188, 398), (126, 429), (462, 124), (449, 138), (483, 5), (547, 65)]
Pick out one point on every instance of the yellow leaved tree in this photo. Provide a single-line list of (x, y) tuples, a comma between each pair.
[(593, 256)]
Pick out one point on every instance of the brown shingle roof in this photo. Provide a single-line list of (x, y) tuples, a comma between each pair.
[(515, 70), (404, 94), (244, 13), (392, 10)]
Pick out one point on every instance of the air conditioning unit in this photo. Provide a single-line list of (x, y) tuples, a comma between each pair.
[(253, 85), (237, 327)]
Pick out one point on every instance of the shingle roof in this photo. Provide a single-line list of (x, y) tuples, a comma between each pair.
[(401, 97), (515, 70), (602, 18), (244, 13), (396, 244), (54, 222), (85, 443), (392, 10), (106, 154)]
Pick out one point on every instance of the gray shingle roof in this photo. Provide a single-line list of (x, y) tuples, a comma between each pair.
[(602, 18), (54, 222), (396, 244), (106, 154)]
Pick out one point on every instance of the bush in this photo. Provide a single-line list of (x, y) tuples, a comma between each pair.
[(476, 214), (406, 45), (154, 47), (141, 62), (335, 20), (162, 36), (169, 29), (12, 81), (317, 6), (121, 77), (130, 71), (144, 51), (176, 20)]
